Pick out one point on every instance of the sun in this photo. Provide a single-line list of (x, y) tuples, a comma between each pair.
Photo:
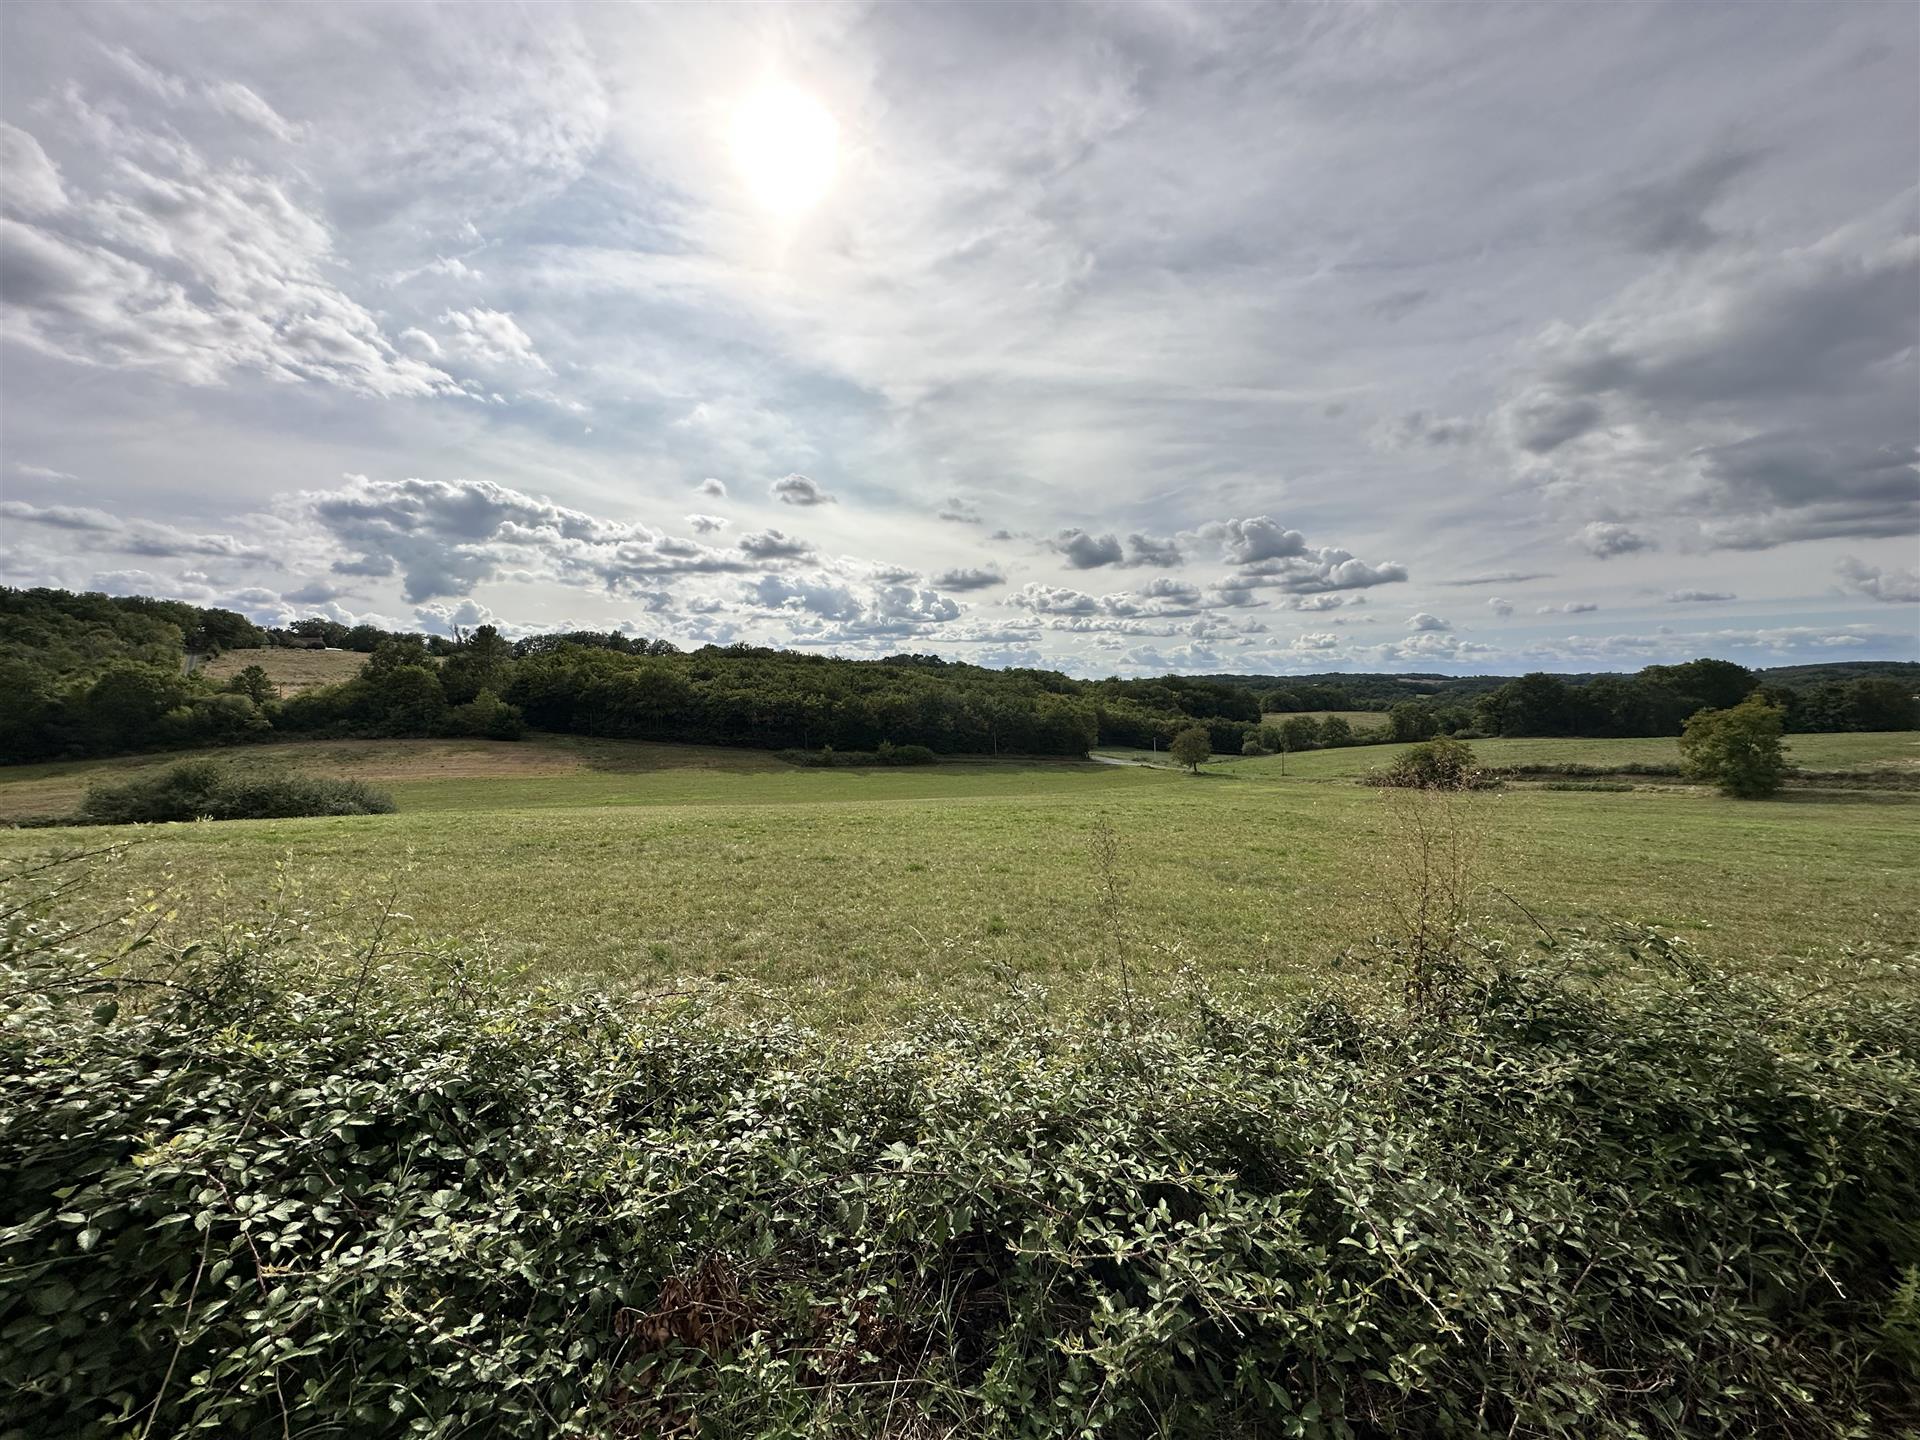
[(787, 147)]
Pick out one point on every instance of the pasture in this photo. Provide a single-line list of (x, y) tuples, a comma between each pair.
[(291, 671), (849, 896)]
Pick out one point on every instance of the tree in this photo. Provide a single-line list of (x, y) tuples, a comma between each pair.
[(1299, 732), (1335, 731), (1192, 748), (253, 682), (1737, 749)]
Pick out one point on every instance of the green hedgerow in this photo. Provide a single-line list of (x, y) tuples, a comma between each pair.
[(202, 789), (251, 1194)]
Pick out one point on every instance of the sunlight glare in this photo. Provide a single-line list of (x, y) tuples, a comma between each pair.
[(786, 146)]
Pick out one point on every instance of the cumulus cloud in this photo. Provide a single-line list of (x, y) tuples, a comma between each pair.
[(493, 338), (1260, 537), (982, 578), (1083, 551), (1569, 607), (1697, 597), (1603, 539), (1895, 587), (706, 524), (446, 537), (713, 487), (1424, 621), (798, 490), (1499, 606)]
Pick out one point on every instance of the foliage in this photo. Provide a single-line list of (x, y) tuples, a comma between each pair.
[(1441, 763), (201, 789), (1737, 749), (1192, 748), (256, 1190)]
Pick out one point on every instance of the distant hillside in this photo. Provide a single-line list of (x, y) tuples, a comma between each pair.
[(1840, 671), (1365, 687)]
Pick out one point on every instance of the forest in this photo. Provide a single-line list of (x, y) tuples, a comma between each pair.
[(90, 674)]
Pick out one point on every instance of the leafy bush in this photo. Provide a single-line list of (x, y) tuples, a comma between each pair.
[(1737, 749), (197, 789), (1439, 764), (258, 1196)]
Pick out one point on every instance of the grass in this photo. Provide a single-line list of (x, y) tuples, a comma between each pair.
[(291, 670), (1358, 719), (851, 895)]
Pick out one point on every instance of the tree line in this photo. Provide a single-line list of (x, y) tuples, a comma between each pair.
[(89, 674)]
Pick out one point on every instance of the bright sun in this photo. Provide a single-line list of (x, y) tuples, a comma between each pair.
[(786, 145)]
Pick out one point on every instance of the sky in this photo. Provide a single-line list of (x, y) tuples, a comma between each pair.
[(1112, 339)]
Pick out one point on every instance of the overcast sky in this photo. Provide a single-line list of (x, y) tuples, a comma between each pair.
[(1115, 339)]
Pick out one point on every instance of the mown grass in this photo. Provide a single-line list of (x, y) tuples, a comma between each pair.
[(852, 895)]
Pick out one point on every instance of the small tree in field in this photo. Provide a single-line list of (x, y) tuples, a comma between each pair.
[(1192, 747), (1737, 749)]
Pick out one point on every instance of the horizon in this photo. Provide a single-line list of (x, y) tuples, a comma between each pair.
[(1461, 342)]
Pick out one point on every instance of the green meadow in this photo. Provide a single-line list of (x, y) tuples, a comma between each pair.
[(849, 896)]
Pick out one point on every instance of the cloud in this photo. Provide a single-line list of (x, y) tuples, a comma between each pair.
[(1150, 550), (1569, 607), (1895, 587), (1424, 621), (442, 619), (960, 512), (132, 537), (1603, 539), (1053, 600), (446, 537), (1083, 551), (1697, 597), (1419, 429), (706, 524), (1324, 569), (773, 545), (493, 338), (1668, 213), (33, 187), (1499, 606), (194, 272), (1246, 542), (1764, 398), (799, 490), (713, 487), (1505, 577), (975, 579)]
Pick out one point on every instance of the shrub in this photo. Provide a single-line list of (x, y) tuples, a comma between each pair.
[(1737, 749), (201, 789), (1254, 748), (1439, 764), (284, 1193)]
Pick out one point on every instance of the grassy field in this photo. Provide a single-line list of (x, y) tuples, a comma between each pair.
[(849, 895), (1358, 719), (291, 670)]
